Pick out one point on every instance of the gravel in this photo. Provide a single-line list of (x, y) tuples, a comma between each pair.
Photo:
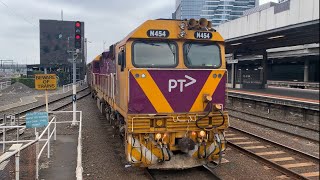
[(103, 156), (17, 88), (13, 93), (103, 153), (243, 167), (40, 101), (311, 134), (282, 138)]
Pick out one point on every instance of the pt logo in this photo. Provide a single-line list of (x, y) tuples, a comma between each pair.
[(173, 83)]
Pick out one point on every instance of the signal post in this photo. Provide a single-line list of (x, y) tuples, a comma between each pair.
[(77, 45)]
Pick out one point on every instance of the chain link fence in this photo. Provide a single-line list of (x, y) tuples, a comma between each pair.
[(20, 165), (28, 162), (7, 168)]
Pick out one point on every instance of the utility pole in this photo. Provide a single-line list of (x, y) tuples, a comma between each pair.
[(46, 93)]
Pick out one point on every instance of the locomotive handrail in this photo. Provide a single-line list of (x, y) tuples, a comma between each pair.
[(187, 120)]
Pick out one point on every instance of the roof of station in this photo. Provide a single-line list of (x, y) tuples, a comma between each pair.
[(294, 22)]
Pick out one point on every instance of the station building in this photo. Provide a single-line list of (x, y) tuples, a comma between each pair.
[(276, 44)]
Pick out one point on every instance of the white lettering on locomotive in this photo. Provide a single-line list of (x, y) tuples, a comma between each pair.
[(172, 83), (157, 33), (203, 35)]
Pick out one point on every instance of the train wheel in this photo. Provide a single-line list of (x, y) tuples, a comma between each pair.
[(108, 112), (112, 118), (102, 108)]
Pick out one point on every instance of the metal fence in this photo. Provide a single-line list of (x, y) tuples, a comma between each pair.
[(68, 87), (22, 161), (5, 84)]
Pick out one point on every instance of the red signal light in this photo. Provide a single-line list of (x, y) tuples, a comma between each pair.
[(78, 36), (78, 24)]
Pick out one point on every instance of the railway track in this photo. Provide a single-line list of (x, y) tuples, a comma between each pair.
[(23, 112), (58, 107), (291, 162), (172, 174), (274, 120), (285, 124)]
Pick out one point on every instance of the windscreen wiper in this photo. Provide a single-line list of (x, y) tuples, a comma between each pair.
[(188, 49), (149, 43), (172, 50)]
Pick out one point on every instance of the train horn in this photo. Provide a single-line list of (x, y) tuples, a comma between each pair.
[(192, 23), (209, 26), (203, 22)]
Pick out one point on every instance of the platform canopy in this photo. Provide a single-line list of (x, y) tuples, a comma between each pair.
[(272, 25), (297, 34)]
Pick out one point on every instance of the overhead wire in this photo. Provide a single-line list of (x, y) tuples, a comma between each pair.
[(17, 15)]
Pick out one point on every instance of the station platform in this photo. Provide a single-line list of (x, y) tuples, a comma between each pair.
[(304, 98)]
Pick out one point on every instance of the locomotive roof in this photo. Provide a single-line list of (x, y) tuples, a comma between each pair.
[(98, 58), (170, 25)]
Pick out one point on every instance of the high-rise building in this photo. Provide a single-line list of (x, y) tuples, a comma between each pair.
[(57, 40), (218, 11)]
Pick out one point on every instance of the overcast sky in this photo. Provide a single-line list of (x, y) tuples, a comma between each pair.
[(105, 21)]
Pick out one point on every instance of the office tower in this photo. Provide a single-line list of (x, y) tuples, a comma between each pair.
[(218, 11)]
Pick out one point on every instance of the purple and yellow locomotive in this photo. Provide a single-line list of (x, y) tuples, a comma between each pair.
[(164, 86)]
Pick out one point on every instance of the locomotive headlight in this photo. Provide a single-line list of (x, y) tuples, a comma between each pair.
[(182, 34), (182, 26), (202, 134), (158, 136), (193, 133), (208, 98), (217, 106)]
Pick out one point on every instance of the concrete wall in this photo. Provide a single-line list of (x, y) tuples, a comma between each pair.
[(299, 11), (293, 115)]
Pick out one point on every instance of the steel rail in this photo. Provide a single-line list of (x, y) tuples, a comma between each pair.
[(267, 162), (276, 129), (207, 168), (274, 120), (315, 158), (43, 105), (55, 109), (149, 174)]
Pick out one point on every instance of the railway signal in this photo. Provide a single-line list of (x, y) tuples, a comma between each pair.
[(77, 35), (77, 45)]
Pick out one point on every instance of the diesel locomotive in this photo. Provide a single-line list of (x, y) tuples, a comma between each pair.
[(164, 87)]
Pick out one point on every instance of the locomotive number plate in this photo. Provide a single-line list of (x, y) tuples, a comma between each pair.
[(158, 33), (203, 35)]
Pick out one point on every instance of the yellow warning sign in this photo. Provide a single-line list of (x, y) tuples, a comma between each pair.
[(45, 81)]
